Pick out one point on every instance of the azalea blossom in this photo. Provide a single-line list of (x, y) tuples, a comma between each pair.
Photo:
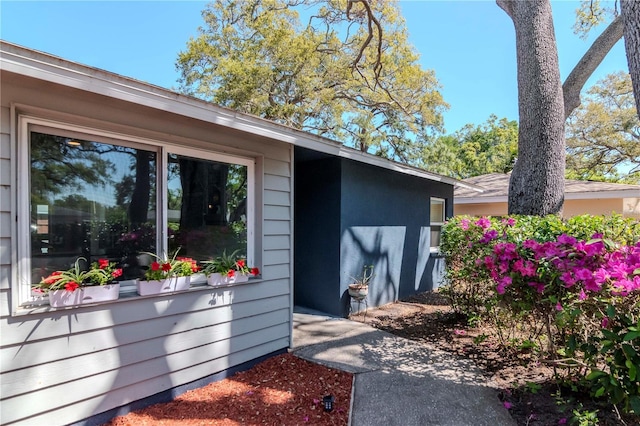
[(483, 223)]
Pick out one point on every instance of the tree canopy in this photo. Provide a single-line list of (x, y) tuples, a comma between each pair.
[(258, 57), (474, 150), (603, 134)]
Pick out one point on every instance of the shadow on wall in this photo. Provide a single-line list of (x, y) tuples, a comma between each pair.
[(402, 262)]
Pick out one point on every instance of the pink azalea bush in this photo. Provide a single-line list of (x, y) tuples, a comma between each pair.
[(573, 285)]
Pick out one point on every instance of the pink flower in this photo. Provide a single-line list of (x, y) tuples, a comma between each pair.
[(558, 307), (509, 222), (562, 421), (605, 322), (464, 224), (567, 278), (459, 332), (483, 223), (566, 239), (582, 295), (489, 236), (507, 405), (305, 419)]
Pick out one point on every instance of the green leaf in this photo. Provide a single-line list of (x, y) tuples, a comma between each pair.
[(632, 370), (599, 392), (634, 402), (611, 311), (596, 374), (629, 351), (631, 335)]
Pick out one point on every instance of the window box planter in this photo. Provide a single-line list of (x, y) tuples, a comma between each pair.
[(84, 295), (216, 279), (168, 285)]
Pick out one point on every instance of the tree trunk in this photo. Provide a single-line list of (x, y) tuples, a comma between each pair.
[(537, 180), (139, 206), (630, 10)]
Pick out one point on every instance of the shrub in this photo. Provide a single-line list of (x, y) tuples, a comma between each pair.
[(573, 285)]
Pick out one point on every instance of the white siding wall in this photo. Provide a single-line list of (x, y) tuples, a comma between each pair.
[(63, 366)]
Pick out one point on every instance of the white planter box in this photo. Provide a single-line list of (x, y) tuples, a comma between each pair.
[(169, 285), (214, 279), (84, 295), (217, 279)]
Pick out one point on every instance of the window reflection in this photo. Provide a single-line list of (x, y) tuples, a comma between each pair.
[(92, 200), (207, 207)]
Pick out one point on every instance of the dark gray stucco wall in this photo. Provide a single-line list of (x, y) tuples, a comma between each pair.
[(385, 223), (317, 233), (348, 215)]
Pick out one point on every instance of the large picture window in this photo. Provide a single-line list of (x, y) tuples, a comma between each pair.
[(92, 200), (100, 196)]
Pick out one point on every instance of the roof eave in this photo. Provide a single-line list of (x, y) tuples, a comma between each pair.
[(43, 66)]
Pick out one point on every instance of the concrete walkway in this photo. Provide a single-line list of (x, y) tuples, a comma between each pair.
[(398, 381)]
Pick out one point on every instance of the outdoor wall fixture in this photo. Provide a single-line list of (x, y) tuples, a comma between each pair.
[(328, 402)]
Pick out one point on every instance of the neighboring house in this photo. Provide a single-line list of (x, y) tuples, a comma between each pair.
[(580, 197), (98, 165)]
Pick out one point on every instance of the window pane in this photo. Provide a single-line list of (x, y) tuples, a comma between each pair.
[(437, 210), (207, 207), (92, 200), (436, 231)]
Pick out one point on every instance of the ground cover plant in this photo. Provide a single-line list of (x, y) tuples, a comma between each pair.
[(566, 291)]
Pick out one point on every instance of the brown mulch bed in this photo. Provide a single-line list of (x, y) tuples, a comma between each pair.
[(283, 390)]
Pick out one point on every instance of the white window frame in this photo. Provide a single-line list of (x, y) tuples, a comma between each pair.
[(21, 291), (432, 248)]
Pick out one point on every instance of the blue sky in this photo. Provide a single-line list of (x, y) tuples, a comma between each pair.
[(469, 44)]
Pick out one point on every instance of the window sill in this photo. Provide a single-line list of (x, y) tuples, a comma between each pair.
[(127, 294)]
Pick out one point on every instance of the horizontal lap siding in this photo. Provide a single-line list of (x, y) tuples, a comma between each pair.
[(70, 364), (5, 206)]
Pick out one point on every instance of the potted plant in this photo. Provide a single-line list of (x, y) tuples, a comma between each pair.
[(165, 276), (359, 288), (77, 286), (228, 269)]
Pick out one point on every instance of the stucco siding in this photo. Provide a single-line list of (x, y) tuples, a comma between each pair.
[(629, 207), (62, 366)]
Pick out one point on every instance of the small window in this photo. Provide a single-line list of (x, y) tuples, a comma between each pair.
[(207, 207), (437, 218)]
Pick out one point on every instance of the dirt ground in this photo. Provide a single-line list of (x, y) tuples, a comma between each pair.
[(525, 384)]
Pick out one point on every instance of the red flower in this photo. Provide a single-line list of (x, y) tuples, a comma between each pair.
[(117, 273), (166, 267), (231, 273), (103, 263), (255, 271), (240, 263), (71, 286), (51, 278), (155, 266)]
